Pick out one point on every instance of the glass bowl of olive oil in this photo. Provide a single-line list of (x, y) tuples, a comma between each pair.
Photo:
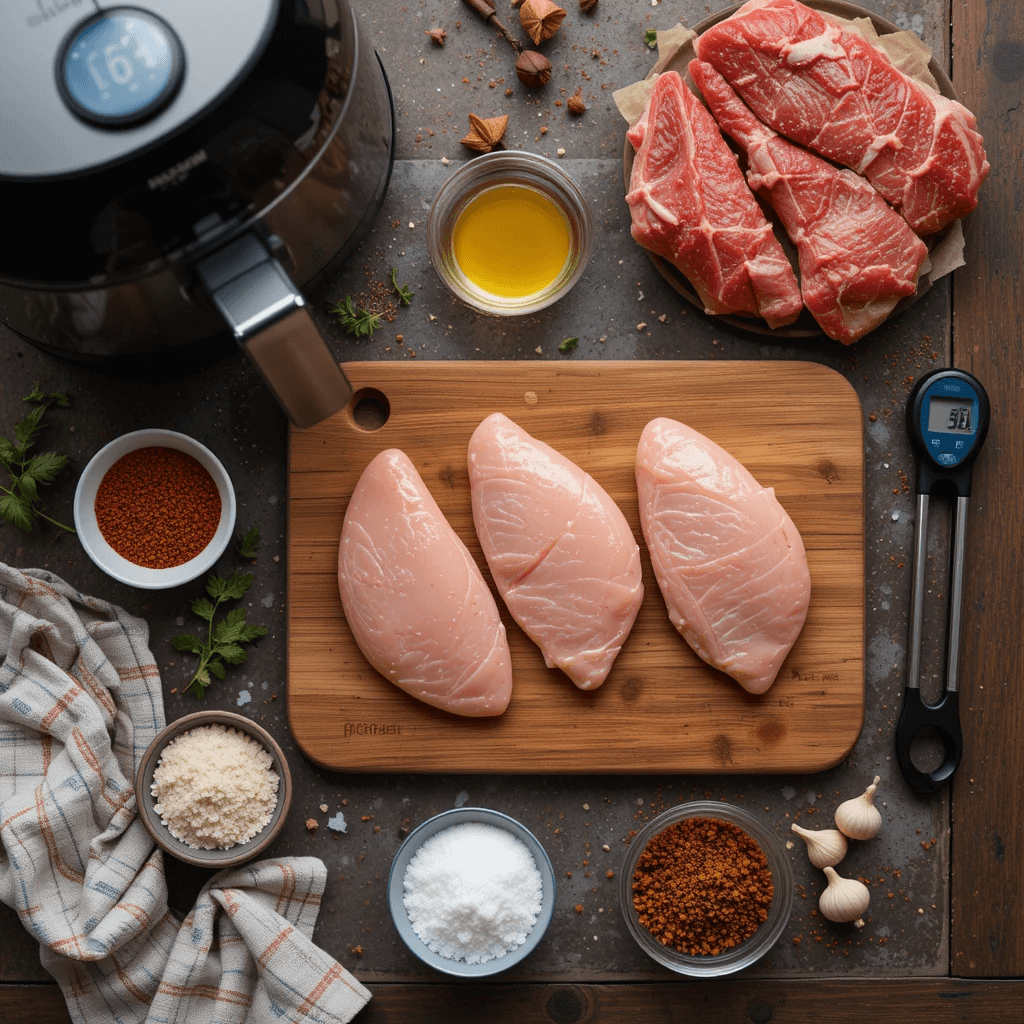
[(509, 233)]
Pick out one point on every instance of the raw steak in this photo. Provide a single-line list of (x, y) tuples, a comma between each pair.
[(416, 601), (690, 205), (729, 561), (858, 256), (822, 85), (560, 550)]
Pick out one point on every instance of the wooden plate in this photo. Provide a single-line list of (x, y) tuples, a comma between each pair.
[(805, 326)]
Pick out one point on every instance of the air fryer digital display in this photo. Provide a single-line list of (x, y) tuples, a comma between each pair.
[(121, 68)]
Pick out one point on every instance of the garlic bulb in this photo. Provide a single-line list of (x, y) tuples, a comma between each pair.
[(825, 849), (859, 818), (845, 899)]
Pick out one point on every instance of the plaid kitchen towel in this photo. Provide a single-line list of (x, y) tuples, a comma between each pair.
[(80, 701)]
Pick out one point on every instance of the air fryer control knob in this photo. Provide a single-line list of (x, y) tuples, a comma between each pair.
[(120, 67)]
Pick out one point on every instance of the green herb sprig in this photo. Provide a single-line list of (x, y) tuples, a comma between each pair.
[(19, 503), (568, 344), (248, 544), (405, 293), (358, 322), (224, 639), (651, 38)]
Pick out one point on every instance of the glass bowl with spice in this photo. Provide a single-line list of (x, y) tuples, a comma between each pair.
[(706, 888), (213, 789), (509, 233), (471, 892), (154, 509)]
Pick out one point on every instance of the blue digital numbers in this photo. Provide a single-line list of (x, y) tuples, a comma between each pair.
[(120, 68)]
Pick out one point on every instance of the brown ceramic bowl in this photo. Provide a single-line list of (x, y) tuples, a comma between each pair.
[(240, 852)]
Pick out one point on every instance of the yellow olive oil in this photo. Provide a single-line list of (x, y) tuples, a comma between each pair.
[(511, 240)]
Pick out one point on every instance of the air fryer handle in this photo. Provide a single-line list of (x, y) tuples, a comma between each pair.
[(271, 323)]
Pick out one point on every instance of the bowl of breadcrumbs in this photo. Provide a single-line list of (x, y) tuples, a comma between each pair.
[(213, 789), (706, 888)]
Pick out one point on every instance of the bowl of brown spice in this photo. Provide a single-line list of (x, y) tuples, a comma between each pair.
[(154, 509), (706, 889)]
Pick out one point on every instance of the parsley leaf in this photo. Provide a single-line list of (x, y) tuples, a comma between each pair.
[(37, 394), (405, 293), (358, 322), (651, 38), (248, 544), (20, 504), (568, 344), (222, 645), (189, 643), (15, 509)]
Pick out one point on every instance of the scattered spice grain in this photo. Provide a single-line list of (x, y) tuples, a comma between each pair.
[(157, 507), (702, 886)]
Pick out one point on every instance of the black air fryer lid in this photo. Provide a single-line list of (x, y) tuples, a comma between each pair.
[(139, 134)]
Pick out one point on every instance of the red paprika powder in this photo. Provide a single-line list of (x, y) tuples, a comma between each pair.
[(157, 507)]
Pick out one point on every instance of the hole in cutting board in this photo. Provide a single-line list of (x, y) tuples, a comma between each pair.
[(370, 409)]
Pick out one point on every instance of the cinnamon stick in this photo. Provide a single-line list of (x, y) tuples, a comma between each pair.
[(486, 10)]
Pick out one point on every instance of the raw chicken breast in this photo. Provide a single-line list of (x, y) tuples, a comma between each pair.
[(416, 601), (730, 563), (560, 550)]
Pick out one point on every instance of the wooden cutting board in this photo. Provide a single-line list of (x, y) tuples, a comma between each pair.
[(796, 426)]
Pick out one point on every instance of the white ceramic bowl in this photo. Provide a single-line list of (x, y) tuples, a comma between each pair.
[(113, 564), (746, 953), (396, 890)]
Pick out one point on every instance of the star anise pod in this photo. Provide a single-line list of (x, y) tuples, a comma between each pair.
[(540, 19), (533, 69), (485, 133), (437, 35)]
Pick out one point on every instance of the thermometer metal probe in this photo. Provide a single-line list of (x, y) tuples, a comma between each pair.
[(947, 419)]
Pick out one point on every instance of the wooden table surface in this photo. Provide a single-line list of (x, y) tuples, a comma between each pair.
[(982, 879)]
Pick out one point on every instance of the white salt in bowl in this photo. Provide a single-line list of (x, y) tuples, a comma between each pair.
[(396, 891), (146, 801)]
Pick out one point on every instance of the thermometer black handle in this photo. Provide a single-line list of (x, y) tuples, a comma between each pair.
[(943, 719), (944, 451)]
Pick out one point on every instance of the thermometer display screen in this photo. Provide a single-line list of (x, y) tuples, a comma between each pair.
[(951, 416)]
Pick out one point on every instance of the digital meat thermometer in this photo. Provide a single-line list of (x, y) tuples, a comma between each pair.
[(947, 420)]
